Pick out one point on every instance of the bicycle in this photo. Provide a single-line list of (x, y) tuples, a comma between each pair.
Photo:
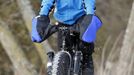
[(68, 61)]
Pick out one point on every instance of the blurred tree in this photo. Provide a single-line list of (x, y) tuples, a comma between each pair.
[(126, 54), (27, 14), (20, 63)]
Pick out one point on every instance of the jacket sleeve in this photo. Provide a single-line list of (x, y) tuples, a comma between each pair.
[(90, 6), (46, 7)]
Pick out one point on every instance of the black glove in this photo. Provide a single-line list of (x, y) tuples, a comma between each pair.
[(41, 28), (85, 23), (42, 24)]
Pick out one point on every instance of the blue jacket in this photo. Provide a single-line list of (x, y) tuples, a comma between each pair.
[(68, 11)]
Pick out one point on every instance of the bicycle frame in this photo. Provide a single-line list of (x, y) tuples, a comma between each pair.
[(76, 56)]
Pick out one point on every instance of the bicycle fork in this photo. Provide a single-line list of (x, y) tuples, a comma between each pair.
[(77, 63)]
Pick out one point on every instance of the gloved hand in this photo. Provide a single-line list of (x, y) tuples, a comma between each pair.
[(89, 27), (85, 23), (41, 28)]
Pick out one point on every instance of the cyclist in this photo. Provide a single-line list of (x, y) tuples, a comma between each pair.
[(77, 13)]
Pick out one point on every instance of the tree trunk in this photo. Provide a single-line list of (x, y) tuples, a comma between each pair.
[(15, 53), (127, 48), (28, 14)]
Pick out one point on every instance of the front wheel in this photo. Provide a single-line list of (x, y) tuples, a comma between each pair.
[(61, 63)]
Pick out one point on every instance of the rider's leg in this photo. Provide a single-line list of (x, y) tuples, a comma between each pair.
[(88, 35), (87, 50), (49, 63)]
